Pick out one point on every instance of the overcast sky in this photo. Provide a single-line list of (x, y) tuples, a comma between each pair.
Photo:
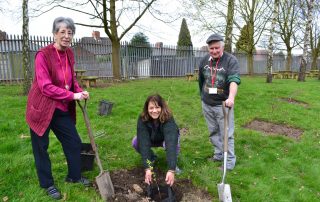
[(41, 26)]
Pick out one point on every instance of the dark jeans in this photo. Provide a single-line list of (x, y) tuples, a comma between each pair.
[(64, 128)]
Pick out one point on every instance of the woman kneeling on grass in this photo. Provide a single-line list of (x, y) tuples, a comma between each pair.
[(157, 128)]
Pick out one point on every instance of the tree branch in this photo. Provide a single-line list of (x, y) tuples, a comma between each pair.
[(86, 25), (136, 20), (105, 21)]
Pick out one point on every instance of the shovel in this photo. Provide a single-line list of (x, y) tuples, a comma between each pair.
[(224, 190), (103, 180)]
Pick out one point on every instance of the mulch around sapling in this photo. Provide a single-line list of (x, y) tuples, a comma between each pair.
[(273, 129), (129, 185)]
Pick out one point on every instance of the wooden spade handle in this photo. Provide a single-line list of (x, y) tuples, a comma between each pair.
[(226, 125)]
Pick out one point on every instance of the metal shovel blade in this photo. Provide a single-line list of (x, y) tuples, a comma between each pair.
[(105, 185), (224, 192)]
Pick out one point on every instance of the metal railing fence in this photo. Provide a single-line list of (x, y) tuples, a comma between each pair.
[(137, 60)]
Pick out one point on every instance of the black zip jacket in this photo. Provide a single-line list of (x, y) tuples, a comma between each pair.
[(148, 134)]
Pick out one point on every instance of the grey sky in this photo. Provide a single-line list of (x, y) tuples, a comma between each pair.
[(154, 29)]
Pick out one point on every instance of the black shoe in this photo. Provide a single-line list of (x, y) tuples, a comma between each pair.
[(84, 181), (54, 193)]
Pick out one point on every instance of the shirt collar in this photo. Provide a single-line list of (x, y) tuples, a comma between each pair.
[(211, 58)]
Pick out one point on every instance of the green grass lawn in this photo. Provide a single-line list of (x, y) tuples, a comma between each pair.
[(269, 168)]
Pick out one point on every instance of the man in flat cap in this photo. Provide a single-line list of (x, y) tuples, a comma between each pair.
[(219, 77)]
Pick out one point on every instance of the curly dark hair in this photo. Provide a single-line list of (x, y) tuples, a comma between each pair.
[(165, 114)]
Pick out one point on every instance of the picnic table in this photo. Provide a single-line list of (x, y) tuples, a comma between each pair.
[(196, 73), (80, 73), (89, 80), (314, 72), (285, 74), (189, 76), (276, 75)]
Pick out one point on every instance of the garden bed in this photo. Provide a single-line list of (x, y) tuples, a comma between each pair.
[(129, 185)]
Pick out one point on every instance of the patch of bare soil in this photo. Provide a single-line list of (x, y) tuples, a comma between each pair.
[(272, 128), (294, 101), (129, 186), (183, 131)]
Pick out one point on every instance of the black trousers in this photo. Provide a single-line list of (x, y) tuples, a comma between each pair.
[(64, 128)]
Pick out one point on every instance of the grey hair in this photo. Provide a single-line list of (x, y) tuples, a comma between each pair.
[(62, 20), (222, 43)]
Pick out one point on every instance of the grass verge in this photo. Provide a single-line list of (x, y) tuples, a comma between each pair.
[(269, 168)]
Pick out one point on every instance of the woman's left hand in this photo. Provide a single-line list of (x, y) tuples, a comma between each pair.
[(170, 178), (85, 94), (148, 176)]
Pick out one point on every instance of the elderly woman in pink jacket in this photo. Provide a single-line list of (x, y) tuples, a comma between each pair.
[(51, 106)]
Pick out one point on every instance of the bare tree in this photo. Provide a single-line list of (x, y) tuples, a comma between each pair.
[(2, 6), (211, 15), (228, 32), (208, 16), (288, 22), (270, 47), (26, 49), (115, 17), (303, 63), (315, 47), (315, 37), (255, 15)]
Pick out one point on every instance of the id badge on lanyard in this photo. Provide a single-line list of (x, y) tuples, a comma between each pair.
[(213, 90)]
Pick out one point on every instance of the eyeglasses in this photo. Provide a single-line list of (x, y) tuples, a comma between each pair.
[(63, 33)]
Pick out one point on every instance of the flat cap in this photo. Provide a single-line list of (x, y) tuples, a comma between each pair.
[(214, 37)]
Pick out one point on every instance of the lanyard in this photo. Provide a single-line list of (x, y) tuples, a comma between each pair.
[(65, 72), (213, 77)]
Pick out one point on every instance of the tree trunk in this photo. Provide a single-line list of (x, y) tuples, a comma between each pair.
[(270, 48), (230, 16), (250, 63), (251, 47), (116, 64), (303, 64), (110, 28), (315, 54), (289, 59), (27, 73), (314, 62)]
